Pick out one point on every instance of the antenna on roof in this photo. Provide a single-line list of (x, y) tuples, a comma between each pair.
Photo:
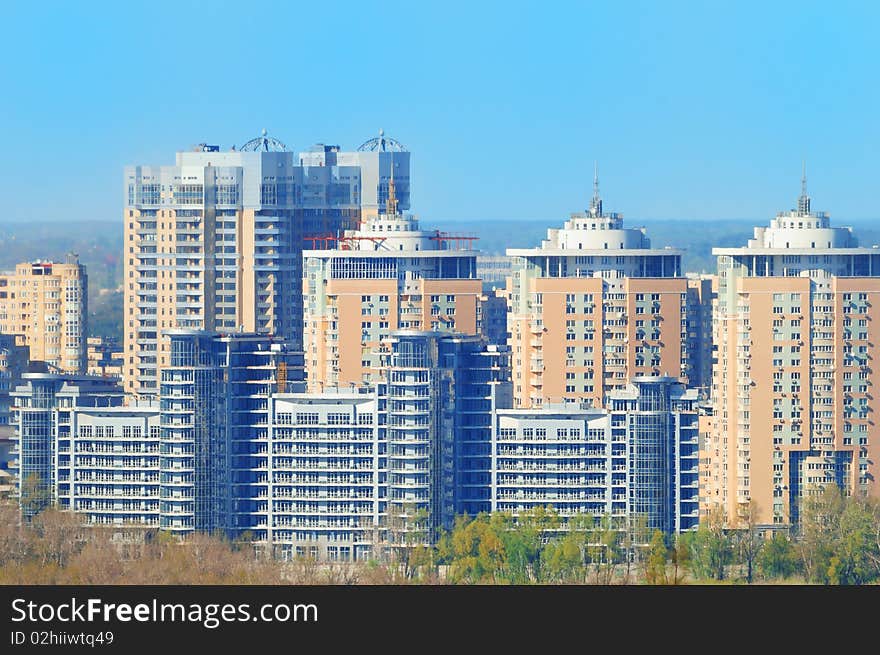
[(596, 202), (804, 199)]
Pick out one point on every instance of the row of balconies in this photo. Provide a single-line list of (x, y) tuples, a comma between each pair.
[(520, 465), (315, 523), (550, 497), (314, 479), (510, 451), (309, 510), (93, 506), (562, 439), (365, 493), (85, 476), (326, 451)]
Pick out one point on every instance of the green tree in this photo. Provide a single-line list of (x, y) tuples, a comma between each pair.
[(604, 549), (470, 551), (680, 555), (655, 563), (710, 548), (778, 558), (853, 561), (562, 559), (818, 531)]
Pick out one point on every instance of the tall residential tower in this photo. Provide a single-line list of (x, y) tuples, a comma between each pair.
[(594, 306), (390, 274), (797, 331), (47, 303), (215, 242), (211, 244)]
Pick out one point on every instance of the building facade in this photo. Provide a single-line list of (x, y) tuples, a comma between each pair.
[(796, 331), (215, 242), (494, 269), (391, 463), (46, 434), (702, 294), (233, 445), (635, 462), (214, 401), (13, 364), (388, 275), (341, 188), (112, 471), (47, 303), (190, 461), (492, 315), (592, 308), (105, 357), (211, 243)]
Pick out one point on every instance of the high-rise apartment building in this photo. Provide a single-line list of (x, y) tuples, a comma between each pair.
[(234, 445), (637, 459), (210, 244), (47, 303), (594, 306), (194, 460), (214, 400), (387, 275), (351, 468), (797, 332), (81, 450), (215, 242)]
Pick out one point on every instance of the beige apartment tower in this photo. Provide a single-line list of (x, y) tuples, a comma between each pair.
[(387, 275), (47, 303), (210, 244), (797, 328), (594, 306)]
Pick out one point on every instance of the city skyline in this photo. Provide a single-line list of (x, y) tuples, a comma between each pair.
[(691, 112), (299, 297)]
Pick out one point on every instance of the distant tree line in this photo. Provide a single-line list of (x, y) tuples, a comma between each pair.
[(837, 541)]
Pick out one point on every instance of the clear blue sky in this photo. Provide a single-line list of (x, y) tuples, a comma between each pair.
[(693, 110)]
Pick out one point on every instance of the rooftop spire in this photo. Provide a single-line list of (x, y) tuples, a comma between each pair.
[(596, 202), (803, 206)]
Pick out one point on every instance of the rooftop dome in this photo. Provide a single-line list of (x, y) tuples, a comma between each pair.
[(382, 143), (264, 143)]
